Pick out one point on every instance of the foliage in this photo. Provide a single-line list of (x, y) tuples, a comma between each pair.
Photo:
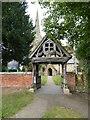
[(82, 85), (27, 67), (43, 79), (61, 112), (13, 102), (17, 34), (70, 20), (57, 79), (66, 20)]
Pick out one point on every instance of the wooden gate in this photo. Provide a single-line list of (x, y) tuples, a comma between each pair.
[(38, 82)]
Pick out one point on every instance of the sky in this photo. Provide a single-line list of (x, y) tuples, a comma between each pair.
[(32, 10)]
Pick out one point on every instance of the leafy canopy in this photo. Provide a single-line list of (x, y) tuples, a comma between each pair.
[(70, 20)]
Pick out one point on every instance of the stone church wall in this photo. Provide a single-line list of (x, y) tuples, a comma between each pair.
[(70, 67)]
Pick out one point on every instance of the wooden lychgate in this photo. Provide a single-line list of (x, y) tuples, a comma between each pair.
[(49, 52)]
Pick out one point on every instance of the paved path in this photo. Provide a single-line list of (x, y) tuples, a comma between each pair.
[(50, 88), (34, 110), (49, 96)]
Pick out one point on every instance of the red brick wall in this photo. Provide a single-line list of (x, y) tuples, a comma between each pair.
[(16, 80), (71, 81)]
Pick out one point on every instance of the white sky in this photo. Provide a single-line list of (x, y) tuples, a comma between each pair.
[(32, 10)]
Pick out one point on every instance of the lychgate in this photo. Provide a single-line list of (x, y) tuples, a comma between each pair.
[(49, 52)]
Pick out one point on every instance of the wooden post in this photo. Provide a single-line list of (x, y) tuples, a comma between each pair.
[(34, 74), (65, 87), (62, 75), (59, 69), (38, 78), (37, 70)]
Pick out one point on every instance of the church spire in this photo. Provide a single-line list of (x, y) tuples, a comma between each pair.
[(37, 24), (37, 30)]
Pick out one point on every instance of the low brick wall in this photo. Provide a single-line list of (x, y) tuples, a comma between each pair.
[(19, 80), (71, 81)]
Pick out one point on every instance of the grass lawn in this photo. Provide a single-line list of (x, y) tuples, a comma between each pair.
[(43, 80), (13, 102), (61, 112), (57, 79)]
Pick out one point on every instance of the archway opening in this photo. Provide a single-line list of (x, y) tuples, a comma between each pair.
[(49, 72)]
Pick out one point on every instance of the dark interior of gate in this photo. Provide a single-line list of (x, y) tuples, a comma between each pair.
[(49, 52)]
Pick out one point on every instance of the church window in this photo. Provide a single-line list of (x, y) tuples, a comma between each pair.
[(46, 48), (46, 45), (49, 46)]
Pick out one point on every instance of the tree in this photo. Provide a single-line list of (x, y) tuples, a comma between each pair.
[(70, 20), (17, 33)]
